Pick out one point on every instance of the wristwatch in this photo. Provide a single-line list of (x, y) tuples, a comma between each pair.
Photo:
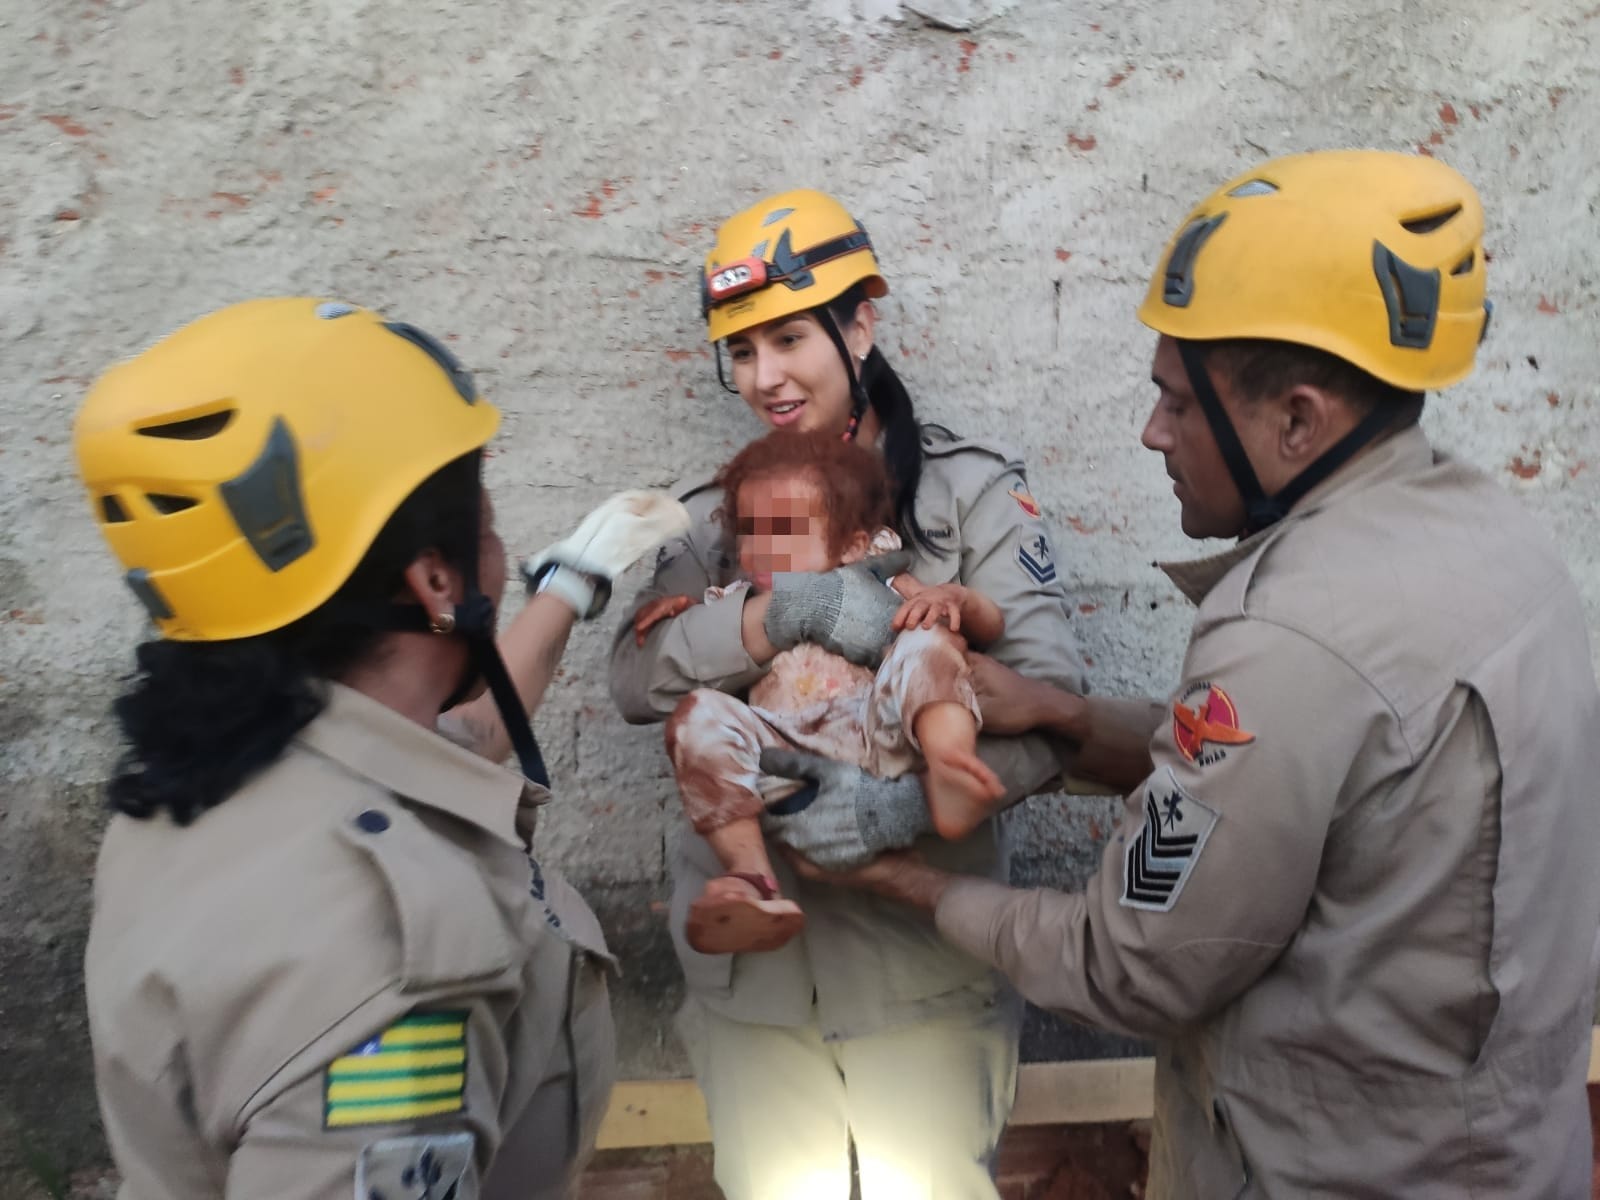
[(586, 594)]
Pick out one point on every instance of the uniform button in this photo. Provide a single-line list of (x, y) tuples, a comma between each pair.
[(372, 821)]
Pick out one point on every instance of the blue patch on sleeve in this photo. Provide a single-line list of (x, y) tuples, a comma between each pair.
[(1035, 558)]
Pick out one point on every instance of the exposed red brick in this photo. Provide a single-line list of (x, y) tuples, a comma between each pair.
[(1525, 468), (67, 125)]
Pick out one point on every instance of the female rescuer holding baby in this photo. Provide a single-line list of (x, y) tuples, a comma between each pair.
[(865, 1027)]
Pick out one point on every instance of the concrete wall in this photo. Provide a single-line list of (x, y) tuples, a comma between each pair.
[(537, 180)]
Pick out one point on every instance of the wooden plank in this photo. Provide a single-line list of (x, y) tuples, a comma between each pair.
[(1081, 1093), (654, 1112), (671, 1112)]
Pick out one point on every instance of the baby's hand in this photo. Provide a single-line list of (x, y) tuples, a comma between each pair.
[(932, 606), (657, 611)]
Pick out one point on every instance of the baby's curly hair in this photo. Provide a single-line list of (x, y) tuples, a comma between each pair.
[(853, 481)]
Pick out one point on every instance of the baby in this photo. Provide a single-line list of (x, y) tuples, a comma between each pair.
[(806, 502)]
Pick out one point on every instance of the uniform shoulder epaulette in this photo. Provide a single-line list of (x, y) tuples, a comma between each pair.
[(938, 441)]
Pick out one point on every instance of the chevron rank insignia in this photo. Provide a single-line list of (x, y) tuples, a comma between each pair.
[(1033, 555), (1159, 859), (415, 1068)]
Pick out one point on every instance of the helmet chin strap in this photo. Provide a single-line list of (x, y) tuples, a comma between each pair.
[(858, 392), (474, 620), (1262, 510)]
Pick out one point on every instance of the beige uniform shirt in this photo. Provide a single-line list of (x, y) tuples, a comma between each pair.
[(348, 969), (869, 963), (1356, 900)]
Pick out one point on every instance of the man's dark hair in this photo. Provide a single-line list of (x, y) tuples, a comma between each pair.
[(1259, 369)]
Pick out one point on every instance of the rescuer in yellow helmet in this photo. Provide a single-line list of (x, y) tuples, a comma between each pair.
[(323, 959), (1352, 899), (865, 1024)]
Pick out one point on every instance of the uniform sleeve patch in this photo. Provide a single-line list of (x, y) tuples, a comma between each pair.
[(1025, 502), (426, 1167), (1205, 722), (1035, 558), (1160, 858), (415, 1068)]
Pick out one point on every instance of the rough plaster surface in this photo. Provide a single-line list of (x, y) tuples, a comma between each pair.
[(537, 181)]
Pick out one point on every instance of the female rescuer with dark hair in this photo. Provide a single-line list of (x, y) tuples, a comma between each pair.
[(322, 956), (864, 1027)]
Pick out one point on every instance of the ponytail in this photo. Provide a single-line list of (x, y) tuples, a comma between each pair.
[(902, 436)]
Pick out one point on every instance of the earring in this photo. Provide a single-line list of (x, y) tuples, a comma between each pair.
[(445, 622)]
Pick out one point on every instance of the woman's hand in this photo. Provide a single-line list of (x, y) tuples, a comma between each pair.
[(1013, 704), (932, 606)]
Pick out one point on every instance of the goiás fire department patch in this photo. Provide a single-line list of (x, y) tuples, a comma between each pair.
[(1164, 852), (1205, 722)]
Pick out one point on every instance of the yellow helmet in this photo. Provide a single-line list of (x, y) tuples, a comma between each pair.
[(804, 241), (1373, 256), (241, 468)]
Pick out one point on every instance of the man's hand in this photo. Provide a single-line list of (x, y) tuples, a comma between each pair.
[(900, 875), (1013, 704), (849, 610), (853, 817)]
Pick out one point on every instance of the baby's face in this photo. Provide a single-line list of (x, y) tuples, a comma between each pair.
[(781, 528)]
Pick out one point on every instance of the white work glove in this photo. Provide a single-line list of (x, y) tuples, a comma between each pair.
[(579, 569)]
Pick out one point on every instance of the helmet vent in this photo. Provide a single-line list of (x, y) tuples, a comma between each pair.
[(1178, 287), (1254, 187), (435, 349), (1411, 294), (1432, 221), (267, 504), (191, 429), (112, 512), (166, 504), (1464, 267)]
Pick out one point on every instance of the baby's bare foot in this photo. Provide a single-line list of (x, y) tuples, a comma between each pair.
[(732, 917), (962, 791)]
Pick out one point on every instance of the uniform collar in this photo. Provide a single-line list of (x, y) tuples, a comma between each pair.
[(1399, 455), (373, 741)]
